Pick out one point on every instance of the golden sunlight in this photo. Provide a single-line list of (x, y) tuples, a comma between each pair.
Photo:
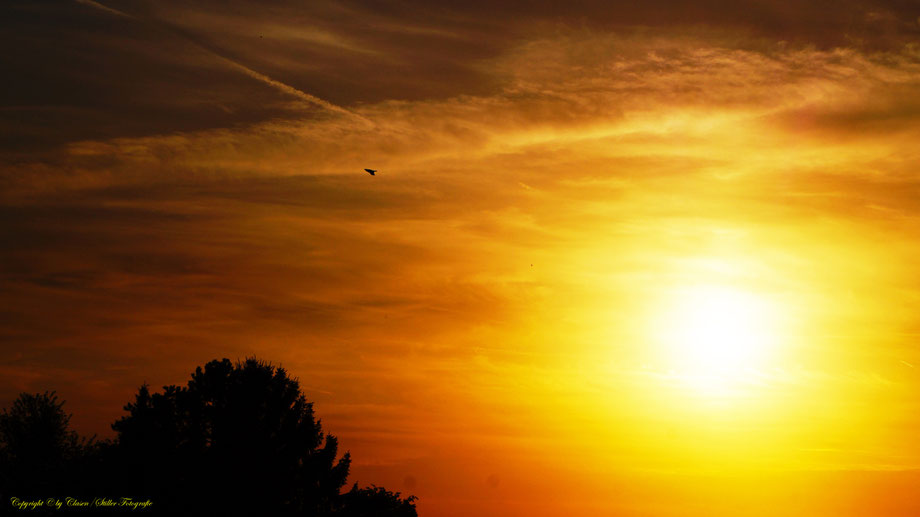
[(717, 338)]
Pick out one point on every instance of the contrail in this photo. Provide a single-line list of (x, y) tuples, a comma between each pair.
[(286, 88), (908, 364), (109, 10), (278, 85)]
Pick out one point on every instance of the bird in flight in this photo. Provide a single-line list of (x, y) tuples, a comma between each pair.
[(371, 171)]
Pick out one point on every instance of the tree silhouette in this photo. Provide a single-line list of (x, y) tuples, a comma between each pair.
[(238, 440), (39, 454)]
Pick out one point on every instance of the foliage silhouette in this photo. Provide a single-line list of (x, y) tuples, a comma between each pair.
[(238, 440), (376, 501), (39, 453)]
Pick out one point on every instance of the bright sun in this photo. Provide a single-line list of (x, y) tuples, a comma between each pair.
[(717, 338)]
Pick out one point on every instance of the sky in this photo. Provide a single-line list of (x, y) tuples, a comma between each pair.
[(653, 259)]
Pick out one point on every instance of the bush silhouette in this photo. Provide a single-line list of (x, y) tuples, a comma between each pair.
[(375, 501)]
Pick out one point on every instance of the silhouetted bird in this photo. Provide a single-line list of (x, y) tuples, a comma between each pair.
[(371, 171)]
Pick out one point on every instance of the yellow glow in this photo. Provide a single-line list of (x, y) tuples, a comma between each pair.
[(718, 338)]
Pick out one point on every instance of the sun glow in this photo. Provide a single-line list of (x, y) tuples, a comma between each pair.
[(718, 339)]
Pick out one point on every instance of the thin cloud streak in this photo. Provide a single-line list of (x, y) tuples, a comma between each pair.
[(290, 90)]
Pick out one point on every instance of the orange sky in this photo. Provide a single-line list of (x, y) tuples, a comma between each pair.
[(497, 322)]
